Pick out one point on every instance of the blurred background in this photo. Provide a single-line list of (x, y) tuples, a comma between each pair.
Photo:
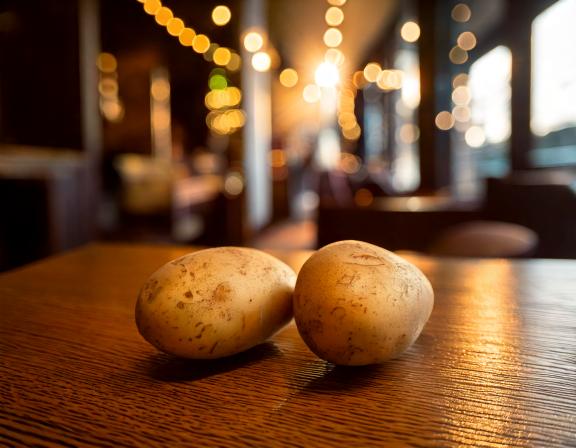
[(436, 126)]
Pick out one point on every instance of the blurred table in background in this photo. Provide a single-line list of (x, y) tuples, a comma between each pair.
[(495, 365), (47, 203)]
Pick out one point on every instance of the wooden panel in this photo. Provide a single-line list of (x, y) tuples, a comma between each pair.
[(493, 367)]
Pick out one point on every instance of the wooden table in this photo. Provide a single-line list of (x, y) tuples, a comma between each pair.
[(495, 366)]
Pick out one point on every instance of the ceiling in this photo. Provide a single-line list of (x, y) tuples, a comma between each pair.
[(297, 28)]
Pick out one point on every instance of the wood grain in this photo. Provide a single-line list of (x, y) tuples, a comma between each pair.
[(495, 366)]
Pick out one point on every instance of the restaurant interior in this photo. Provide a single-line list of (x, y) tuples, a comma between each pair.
[(440, 127)]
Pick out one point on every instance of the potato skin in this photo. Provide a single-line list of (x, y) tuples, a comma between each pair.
[(358, 304), (215, 302)]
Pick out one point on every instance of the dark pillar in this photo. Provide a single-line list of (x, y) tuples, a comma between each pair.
[(433, 47), (520, 21)]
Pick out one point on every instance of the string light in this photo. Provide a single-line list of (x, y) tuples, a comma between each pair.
[(334, 16), (333, 37), (188, 37)]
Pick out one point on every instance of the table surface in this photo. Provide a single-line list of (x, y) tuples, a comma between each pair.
[(495, 365)]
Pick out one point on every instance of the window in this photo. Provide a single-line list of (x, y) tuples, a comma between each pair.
[(483, 121), (553, 120)]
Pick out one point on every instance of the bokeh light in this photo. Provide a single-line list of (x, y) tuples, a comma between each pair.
[(461, 13), (106, 63), (187, 37), (333, 37), (334, 16), (444, 120), (289, 77), (175, 26), (253, 41), (261, 61), (475, 137), (410, 32), (200, 43), (222, 56), (372, 71), (466, 40), (163, 16), (221, 15), (458, 56), (334, 56)]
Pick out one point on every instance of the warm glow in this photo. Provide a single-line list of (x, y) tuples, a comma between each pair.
[(221, 15), (222, 56), (106, 63), (175, 27), (253, 41), (187, 37), (327, 75), (152, 6), (261, 61), (333, 37), (460, 79), (458, 56), (461, 96), (372, 71), (466, 40), (461, 13), (337, 2), (444, 120), (163, 16), (475, 136), (235, 62), (334, 56), (389, 80), (334, 16), (410, 32), (289, 77), (311, 93), (201, 43)]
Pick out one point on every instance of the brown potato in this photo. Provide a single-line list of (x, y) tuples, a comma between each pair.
[(215, 302), (356, 303)]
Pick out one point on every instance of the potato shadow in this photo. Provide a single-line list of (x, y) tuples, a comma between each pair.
[(330, 378), (169, 368)]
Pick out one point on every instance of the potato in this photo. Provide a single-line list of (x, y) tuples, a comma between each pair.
[(215, 302), (357, 304)]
